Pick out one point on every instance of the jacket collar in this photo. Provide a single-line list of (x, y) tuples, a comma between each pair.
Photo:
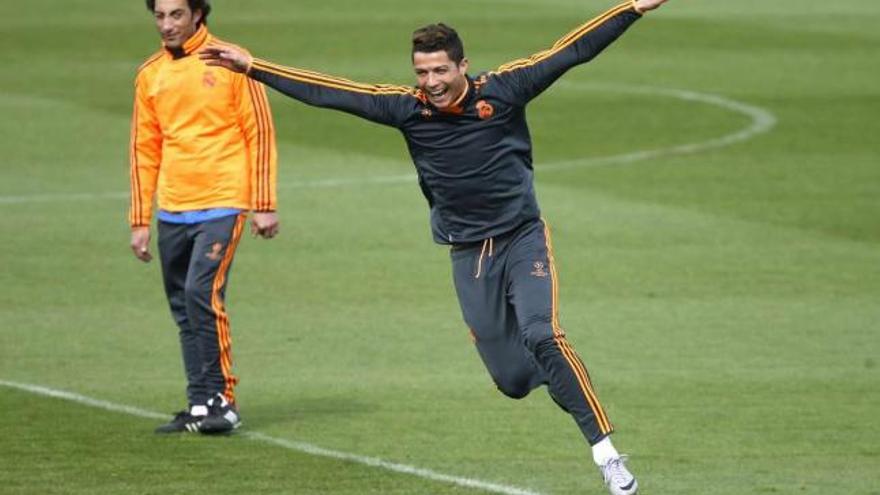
[(459, 105)]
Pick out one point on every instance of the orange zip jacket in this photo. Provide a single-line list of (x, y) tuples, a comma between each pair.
[(201, 137)]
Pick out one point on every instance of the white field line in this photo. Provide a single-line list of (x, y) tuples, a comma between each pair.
[(761, 121), (118, 195), (303, 447), (61, 197), (392, 466)]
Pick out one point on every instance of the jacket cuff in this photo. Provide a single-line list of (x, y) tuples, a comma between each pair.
[(636, 8)]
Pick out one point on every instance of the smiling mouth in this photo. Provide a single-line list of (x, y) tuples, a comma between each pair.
[(439, 93)]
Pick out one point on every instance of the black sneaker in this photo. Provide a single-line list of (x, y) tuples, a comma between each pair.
[(222, 417), (183, 421)]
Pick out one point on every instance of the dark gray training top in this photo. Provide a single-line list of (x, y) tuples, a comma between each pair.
[(474, 161)]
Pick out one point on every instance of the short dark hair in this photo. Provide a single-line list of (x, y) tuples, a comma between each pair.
[(438, 37), (204, 6)]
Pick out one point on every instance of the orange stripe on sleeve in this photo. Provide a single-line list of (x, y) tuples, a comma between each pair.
[(134, 215), (256, 115), (332, 82), (268, 130), (263, 127), (566, 40), (259, 182)]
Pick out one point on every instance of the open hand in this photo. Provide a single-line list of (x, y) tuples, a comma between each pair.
[(646, 5), (234, 58)]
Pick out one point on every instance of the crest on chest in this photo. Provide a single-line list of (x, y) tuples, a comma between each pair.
[(209, 80), (485, 110)]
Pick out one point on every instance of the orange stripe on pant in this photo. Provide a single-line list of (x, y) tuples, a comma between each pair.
[(568, 352), (222, 320)]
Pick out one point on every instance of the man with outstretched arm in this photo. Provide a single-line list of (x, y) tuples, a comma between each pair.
[(470, 144)]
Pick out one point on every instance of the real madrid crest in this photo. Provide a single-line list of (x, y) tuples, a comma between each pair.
[(485, 110)]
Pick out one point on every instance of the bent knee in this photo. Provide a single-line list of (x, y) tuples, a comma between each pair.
[(514, 392), (516, 388)]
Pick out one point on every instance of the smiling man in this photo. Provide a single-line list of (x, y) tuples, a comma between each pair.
[(470, 143), (202, 142)]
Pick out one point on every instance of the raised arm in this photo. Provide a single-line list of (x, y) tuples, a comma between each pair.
[(380, 103), (526, 78)]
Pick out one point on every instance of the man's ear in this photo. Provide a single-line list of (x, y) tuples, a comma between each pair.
[(463, 65), (197, 16)]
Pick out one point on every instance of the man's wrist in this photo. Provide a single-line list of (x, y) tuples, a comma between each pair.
[(250, 63), (635, 6)]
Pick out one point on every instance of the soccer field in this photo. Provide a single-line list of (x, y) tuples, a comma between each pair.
[(713, 184)]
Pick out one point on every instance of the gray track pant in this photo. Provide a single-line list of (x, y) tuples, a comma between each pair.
[(507, 289), (195, 265)]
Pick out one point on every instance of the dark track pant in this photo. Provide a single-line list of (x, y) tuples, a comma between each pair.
[(195, 264), (507, 289)]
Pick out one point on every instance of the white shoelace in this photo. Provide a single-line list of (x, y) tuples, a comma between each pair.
[(615, 472)]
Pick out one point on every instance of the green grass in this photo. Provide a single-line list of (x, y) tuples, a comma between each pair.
[(725, 301)]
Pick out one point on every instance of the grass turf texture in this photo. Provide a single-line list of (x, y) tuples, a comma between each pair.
[(726, 302)]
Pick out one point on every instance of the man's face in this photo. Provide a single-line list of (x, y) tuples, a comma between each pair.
[(175, 21), (442, 80)]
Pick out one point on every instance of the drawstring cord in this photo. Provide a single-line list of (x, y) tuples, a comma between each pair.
[(487, 243)]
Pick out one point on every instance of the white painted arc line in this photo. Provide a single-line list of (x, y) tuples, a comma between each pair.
[(312, 184), (356, 181), (762, 121), (302, 447), (62, 197)]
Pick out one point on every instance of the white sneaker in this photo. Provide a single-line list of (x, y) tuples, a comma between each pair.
[(617, 477)]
